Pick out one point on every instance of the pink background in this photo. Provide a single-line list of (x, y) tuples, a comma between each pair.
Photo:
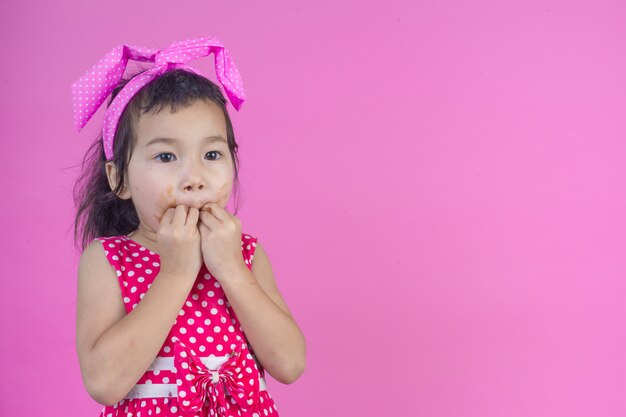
[(440, 187)]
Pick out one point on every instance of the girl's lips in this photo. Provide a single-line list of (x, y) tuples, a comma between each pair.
[(199, 206)]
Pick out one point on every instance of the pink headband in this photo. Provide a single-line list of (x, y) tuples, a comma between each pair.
[(93, 87)]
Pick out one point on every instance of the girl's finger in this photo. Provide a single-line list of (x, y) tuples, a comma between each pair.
[(209, 221), (180, 214), (203, 228), (167, 216), (215, 210), (192, 216)]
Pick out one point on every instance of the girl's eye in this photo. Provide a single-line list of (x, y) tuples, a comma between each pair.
[(214, 155), (165, 157)]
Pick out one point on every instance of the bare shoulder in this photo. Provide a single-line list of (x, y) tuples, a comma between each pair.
[(94, 270), (99, 301), (261, 266), (93, 254), (262, 271)]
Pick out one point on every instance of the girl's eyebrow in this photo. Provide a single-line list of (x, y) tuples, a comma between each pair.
[(171, 141)]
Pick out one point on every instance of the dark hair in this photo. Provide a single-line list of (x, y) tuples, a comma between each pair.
[(100, 212)]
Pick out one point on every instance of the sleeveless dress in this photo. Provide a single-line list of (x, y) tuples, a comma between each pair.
[(206, 365)]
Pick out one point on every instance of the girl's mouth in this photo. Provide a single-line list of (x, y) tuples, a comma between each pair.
[(199, 206), (166, 207)]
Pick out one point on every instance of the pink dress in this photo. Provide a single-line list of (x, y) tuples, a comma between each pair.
[(206, 366)]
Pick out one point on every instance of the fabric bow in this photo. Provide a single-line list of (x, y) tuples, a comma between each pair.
[(93, 87), (202, 391)]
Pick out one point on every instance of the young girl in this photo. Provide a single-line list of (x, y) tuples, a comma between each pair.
[(178, 313)]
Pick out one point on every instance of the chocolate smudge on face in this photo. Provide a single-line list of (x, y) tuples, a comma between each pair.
[(167, 202)]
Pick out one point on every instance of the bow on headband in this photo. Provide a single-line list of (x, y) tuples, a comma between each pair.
[(93, 87), (199, 387)]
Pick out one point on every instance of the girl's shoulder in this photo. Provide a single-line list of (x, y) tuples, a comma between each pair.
[(114, 246), (104, 250), (118, 249), (121, 244)]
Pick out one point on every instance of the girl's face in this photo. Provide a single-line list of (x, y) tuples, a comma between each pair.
[(179, 158)]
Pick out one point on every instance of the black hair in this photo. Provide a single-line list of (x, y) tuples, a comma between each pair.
[(100, 212)]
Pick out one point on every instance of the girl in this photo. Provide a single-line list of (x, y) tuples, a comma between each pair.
[(178, 313)]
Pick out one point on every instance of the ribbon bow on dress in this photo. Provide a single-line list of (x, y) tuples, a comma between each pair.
[(93, 87), (201, 390)]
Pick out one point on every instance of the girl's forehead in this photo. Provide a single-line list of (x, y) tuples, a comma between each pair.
[(199, 119)]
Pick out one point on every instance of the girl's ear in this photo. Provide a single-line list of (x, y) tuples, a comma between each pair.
[(112, 176)]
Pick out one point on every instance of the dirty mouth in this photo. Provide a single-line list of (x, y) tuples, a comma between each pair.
[(201, 207), (204, 207)]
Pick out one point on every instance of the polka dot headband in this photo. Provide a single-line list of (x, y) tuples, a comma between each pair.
[(93, 87)]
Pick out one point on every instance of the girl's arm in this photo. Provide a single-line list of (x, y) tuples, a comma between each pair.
[(267, 322), (115, 348)]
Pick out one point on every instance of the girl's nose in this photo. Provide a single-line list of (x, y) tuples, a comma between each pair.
[(193, 179), (194, 186)]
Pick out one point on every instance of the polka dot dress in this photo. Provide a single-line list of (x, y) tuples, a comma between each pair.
[(206, 323)]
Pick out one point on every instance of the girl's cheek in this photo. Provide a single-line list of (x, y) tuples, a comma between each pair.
[(223, 195)]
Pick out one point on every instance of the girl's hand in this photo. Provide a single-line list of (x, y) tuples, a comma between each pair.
[(178, 241), (221, 241)]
